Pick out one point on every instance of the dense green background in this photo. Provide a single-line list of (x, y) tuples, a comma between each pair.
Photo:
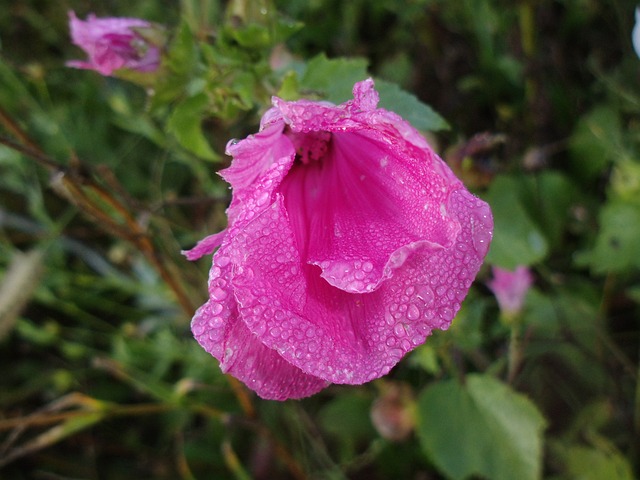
[(104, 180)]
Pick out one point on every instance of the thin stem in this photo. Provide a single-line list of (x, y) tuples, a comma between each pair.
[(515, 352)]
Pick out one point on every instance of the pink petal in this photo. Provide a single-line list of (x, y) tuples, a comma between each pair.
[(343, 337), (219, 330), (368, 201), (206, 246), (255, 155), (263, 369), (108, 43)]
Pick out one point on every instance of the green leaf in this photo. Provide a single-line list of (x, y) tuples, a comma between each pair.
[(548, 198), (481, 428), (616, 246), (347, 417), (182, 57), (517, 240), (333, 79), (588, 463), (418, 114), (185, 124), (596, 140)]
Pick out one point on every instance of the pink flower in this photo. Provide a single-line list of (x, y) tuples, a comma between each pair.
[(112, 44), (510, 288), (348, 242)]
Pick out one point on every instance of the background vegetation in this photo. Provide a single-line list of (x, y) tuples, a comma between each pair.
[(104, 180)]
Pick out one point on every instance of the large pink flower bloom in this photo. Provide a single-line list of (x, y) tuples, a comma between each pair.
[(112, 44), (348, 242)]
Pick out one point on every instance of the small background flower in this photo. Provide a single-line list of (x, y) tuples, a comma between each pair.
[(112, 44), (510, 288)]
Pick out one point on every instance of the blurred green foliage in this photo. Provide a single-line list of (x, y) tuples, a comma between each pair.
[(103, 180)]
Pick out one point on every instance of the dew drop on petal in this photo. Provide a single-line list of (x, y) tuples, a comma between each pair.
[(216, 308), (424, 294), (218, 294), (413, 312), (221, 261)]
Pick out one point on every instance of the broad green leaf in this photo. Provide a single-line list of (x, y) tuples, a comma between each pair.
[(481, 428), (425, 357), (616, 246), (595, 141), (185, 124), (548, 198), (588, 463), (333, 78), (347, 417), (418, 114), (517, 240)]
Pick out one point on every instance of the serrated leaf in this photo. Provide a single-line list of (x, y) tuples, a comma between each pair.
[(418, 114), (333, 79), (517, 240), (185, 125), (481, 428)]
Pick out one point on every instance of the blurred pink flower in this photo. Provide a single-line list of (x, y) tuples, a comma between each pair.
[(635, 33), (348, 241), (112, 44), (510, 288)]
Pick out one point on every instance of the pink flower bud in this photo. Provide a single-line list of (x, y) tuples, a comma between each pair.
[(510, 288), (393, 412), (112, 44)]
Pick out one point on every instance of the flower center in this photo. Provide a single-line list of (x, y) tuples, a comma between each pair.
[(310, 146)]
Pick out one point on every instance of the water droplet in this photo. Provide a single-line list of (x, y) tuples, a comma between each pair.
[(221, 260), (275, 331), (481, 226), (216, 308), (424, 294), (413, 313), (259, 328), (262, 199), (218, 294), (399, 330), (228, 353), (198, 328)]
